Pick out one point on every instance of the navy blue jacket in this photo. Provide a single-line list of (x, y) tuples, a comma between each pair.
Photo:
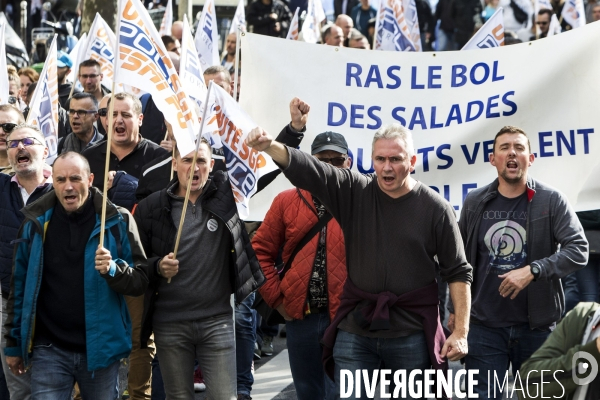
[(11, 218)]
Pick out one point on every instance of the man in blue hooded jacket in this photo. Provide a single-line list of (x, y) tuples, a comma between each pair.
[(67, 318)]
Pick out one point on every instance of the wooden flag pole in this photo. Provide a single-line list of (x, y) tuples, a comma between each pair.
[(191, 177), (173, 157), (237, 62), (108, 142)]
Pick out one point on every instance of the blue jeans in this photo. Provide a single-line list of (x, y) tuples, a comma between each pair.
[(352, 352), (304, 347), (245, 337), (588, 280), (210, 341), (492, 349), (54, 372), (158, 387)]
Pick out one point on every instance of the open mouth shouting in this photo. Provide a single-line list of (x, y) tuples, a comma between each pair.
[(23, 158), (512, 166)]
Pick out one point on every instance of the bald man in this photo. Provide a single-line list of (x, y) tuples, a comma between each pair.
[(345, 22), (177, 30), (333, 36)]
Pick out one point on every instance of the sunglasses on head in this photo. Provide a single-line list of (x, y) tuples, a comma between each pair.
[(8, 127), (28, 141), (103, 112), (335, 161)]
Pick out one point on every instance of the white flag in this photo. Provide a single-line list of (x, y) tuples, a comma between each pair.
[(554, 28), (412, 20), (491, 34), (43, 108), (293, 31), (190, 71), (311, 28), (245, 165), (77, 55), (4, 85), (239, 19), (101, 46), (392, 32), (167, 21), (143, 62), (207, 37), (574, 13)]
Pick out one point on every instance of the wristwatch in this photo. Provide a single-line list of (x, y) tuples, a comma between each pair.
[(535, 271)]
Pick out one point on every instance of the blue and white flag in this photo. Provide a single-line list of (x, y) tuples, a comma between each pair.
[(207, 37), (311, 28), (293, 32), (43, 108), (4, 85), (392, 32), (101, 46), (77, 56), (239, 19), (490, 35), (245, 165), (412, 20), (143, 62), (554, 28), (574, 13)]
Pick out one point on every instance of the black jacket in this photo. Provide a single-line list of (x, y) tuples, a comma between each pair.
[(258, 16), (157, 233), (11, 218)]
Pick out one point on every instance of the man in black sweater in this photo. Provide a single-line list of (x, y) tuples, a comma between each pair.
[(393, 227)]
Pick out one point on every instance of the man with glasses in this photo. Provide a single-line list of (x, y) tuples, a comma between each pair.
[(27, 153), (10, 117), (319, 270), (90, 76), (543, 22), (82, 116)]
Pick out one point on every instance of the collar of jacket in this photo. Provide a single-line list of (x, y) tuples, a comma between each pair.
[(493, 189), (47, 202)]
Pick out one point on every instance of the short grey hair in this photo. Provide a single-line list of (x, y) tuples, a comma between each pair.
[(38, 133), (396, 131)]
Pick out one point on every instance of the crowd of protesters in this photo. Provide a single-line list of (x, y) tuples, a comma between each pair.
[(75, 304)]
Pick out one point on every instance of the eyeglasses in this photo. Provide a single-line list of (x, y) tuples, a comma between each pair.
[(28, 141), (7, 127), (542, 23), (103, 112), (90, 76), (335, 161), (81, 113)]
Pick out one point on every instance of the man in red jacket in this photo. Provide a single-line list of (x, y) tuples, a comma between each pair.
[(309, 294)]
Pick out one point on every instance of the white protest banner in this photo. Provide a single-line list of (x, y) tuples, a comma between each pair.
[(4, 85), (167, 21), (554, 28), (143, 62), (293, 31), (311, 28), (43, 108), (392, 32), (207, 37), (101, 47), (490, 35), (454, 103), (245, 165), (573, 12), (239, 19)]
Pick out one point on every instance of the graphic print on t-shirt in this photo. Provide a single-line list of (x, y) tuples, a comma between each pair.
[(507, 243)]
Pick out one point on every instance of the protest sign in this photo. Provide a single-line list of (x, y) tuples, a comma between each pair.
[(454, 102)]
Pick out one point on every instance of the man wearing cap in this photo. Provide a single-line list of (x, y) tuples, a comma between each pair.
[(64, 63), (308, 296)]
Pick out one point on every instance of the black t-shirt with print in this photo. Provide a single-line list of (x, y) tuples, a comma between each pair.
[(502, 247)]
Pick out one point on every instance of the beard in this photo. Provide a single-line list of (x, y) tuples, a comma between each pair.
[(512, 181)]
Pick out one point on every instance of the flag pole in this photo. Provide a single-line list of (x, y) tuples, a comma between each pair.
[(237, 62), (111, 108), (191, 177)]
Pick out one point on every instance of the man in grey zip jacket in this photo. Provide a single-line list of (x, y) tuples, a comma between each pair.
[(512, 229)]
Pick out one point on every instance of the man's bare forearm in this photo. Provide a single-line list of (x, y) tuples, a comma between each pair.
[(460, 293)]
